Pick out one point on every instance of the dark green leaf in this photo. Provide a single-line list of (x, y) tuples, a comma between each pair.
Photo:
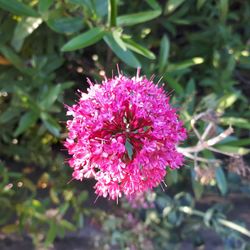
[(129, 148), (170, 81), (66, 25), (83, 3), (185, 64), (200, 3), (221, 180), (154, 4), (51, 96), (18, 8), (51, 124), (84, 40), (223, 9), (238, 143), (197, 188), (172, 5), (15, 60), (26, 121), (8, 115), (43, 6), (164, 52), (126, 56), (23, 29), (140, 17)]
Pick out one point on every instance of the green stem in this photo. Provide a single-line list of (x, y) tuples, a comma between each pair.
[(112, 13)]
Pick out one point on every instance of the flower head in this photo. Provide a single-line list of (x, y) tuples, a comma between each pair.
[(123, 133)]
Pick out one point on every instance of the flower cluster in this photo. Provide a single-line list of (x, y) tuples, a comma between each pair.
[(123, 133)]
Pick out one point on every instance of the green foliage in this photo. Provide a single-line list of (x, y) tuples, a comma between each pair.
[(199, 48)]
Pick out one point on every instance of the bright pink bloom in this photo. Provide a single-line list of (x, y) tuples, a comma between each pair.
[(123, 133)]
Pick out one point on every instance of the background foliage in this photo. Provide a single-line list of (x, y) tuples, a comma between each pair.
[(48, 48)]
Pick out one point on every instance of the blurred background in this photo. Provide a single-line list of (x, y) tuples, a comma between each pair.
[(199, 48)]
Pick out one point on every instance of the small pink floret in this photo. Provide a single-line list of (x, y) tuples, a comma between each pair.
[(123, 133)]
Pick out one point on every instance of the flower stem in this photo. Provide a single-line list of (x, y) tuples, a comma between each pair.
[(112, 9)]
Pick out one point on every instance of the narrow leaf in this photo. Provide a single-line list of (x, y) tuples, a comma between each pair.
[(185, 64), (26, 121), (221, 180), (51, 96), (164, 52), (235, 121), (200, 3), (139, 49), (18, 8), (84, 40), (51, 235), (66, 25), (172, 5), (51, 124), (223, 9), (140, 17), (154, 4), (126, 56), (232, 149), (129, 148), (23, 29)]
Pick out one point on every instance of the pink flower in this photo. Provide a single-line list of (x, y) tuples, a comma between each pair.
[(123, 133)]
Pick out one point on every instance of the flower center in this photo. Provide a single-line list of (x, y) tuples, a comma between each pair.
[(131, 130)]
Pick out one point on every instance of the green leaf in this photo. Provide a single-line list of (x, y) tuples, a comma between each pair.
[(66, 224), (173, 84), (23, 29), (172, 177), (18, 8), (84, 40), (221, 180), (117, 36), (126, 56), (198, 189), (51, 124), (164, 53), (51, 235), (227, 101), (232, 149), (51, 96), (84, 3), (66, 25), (200, 3), (172, 5), (15, 60), (26, 121), (154, 4), (223, 5), (185, 64), (238, 143), (235, 121), (129, 148), (8, 114), (44, 5), (130, 44), (140, 17)]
